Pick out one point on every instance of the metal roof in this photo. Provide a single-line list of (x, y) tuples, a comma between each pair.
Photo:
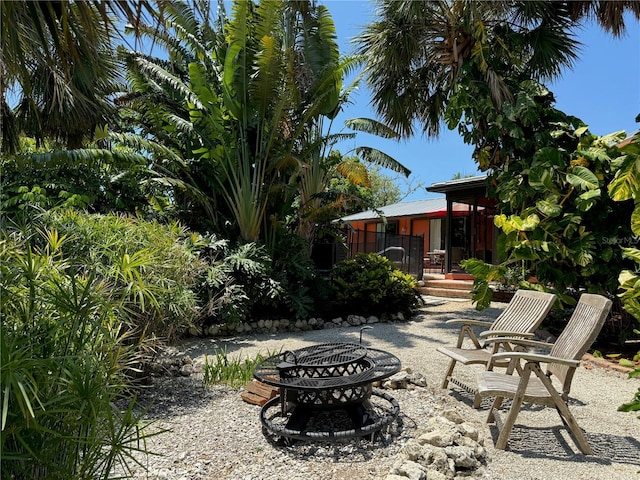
[(402, 209), (458, 184)]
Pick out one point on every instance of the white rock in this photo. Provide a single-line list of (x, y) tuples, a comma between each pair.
[(468, 431), (411, 470), (463, 457), (439, 438), (453, 416), (418, 380)]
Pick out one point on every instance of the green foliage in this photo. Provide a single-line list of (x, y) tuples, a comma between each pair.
[(235, 372), (93, 179), (626, 186), (550, 180), (370, 284), (154, 268), (239, 279), (245, 281), (66, 354), (240, 106), (634, 404)]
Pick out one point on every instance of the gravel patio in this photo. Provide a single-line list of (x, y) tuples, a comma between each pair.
[(213, 434)]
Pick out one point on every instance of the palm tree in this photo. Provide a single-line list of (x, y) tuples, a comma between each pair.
[(417, 51), (244, 104), (609, 14), (57, 62)]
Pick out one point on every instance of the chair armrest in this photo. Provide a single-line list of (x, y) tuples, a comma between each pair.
[(505, 333), (524, 342), (535, 357), (473, 323)]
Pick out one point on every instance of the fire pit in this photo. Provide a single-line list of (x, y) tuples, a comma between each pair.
[(321, 382)]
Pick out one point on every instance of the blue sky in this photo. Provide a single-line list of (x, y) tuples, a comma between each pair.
[(603, 90)]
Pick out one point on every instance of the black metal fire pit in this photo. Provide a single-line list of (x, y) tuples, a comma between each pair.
[(326, 381)]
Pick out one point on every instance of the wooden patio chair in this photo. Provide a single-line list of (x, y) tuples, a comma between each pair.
[(535, 386), (520, 318)]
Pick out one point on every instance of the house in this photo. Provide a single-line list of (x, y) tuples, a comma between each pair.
[(450, 228)]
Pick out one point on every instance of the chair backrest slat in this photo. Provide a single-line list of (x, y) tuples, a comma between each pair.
[(581, 331), (525, 311)]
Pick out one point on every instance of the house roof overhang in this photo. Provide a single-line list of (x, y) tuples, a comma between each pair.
[(465, 190)]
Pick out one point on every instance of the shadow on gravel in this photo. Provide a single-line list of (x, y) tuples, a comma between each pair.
[(174, 396), (389, 332), (555, 443)]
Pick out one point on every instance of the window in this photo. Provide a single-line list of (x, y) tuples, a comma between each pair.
[(436, 237)]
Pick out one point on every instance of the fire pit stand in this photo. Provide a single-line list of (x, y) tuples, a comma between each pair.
[(320, 383)]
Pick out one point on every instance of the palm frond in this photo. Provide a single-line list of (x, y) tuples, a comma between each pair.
[(355, 172), (140, 144), (371, 126), (377, 157), (164, 77)]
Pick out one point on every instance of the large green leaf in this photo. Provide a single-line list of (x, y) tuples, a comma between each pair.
[(542, 179), (549, 208), (632, 253), (587, 199), (635, 220), (530, 222), (626, 182), (582, 178), (323, 57), (372, 127), (232, 98)]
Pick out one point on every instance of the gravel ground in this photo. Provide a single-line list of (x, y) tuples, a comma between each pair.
[(213, 434)]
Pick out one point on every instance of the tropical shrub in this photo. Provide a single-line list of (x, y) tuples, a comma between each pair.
[(554, 211), (370, 284), (246, 282), (66, 355), (98, 180), (155, 268), (626, 186)]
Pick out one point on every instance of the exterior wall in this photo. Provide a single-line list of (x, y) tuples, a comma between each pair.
[(420, 226)]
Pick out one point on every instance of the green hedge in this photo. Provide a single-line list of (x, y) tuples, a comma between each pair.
[(370, 284)]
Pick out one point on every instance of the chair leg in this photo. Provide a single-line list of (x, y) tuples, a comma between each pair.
[(497, 402), (575, 429), (503, 437), (447, 375), (566, 416)]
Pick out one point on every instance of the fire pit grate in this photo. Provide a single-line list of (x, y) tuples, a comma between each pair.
[(328, 377)]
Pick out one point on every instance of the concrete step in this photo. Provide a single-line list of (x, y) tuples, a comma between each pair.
[(449, 284), (447, 288), (445, 292)]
